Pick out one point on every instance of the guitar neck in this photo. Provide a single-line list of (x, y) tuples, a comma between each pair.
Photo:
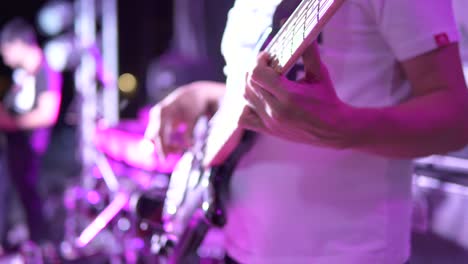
[(297, 33)]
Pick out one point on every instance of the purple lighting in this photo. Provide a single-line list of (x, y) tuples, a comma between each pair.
[(132, 149), (102, 220), (93, 197)]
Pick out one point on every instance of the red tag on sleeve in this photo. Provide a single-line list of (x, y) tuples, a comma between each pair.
[(442, 39)]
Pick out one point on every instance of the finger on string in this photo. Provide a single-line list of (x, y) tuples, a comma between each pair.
[(188, 134), (263, 59), (313, 67), (267, 98), (267, 78), (249, 95), (260, 105), (169, 137), (251, 120), (253, 99), (153, 131)]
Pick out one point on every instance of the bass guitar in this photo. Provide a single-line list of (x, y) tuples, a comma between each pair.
[(199, 183)]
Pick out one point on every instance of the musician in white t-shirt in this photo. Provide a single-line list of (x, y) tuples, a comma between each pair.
[(328, 180)]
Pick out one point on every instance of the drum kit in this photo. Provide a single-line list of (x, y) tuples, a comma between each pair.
[(130, 209)]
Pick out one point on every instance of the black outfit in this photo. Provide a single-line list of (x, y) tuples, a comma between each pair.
[(23, 152), (229, 260)]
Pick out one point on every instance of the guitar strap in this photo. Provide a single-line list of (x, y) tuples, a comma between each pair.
[(226, 170)]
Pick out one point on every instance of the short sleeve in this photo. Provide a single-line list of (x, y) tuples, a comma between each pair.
[(47, 79), (42, 81), (414, 27)]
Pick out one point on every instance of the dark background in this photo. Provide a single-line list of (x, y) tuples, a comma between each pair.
[(145, 28)]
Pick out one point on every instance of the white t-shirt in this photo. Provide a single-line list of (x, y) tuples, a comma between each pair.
[(297, 203), (461, 16)]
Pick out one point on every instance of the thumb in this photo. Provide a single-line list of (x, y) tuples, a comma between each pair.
[(251, 121), (313, 67)]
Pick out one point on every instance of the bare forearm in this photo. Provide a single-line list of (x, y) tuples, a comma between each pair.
[(44, 115), (7, 123), (430, 124), (34, 120), (26, 122)]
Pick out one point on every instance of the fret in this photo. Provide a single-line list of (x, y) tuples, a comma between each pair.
[(292, 32), (313, 21), (283, 35), (286, 32), (325, 7), (296, 29), (303, 19), (307, 16)]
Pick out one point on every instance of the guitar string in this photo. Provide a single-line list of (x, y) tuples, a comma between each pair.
[(284, 33), (304, 20), (292, 34), (289, 34), (296, 33)]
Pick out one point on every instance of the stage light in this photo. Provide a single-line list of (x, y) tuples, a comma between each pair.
[(102, 220), (59, 51), (93, 197), (24, 100), (55, 17), (124, 224), (127, 83)]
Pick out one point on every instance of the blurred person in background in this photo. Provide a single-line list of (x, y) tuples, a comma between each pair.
[(28, 112)]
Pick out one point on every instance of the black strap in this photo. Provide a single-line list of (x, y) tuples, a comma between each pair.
[(229, 260)]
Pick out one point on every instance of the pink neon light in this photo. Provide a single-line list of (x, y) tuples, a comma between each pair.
[(93, 197), (102, 220)]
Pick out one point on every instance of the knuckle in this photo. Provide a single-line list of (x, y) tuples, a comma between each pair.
[(247, 93), (277, 116), (281, 115), (256, 73), (155, 111)]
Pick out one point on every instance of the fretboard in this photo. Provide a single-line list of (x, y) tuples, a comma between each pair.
[(301, 28)]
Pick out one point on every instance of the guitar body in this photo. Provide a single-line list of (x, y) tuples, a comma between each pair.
[(200, 181)]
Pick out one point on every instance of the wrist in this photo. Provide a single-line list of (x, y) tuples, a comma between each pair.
[(359, 126)]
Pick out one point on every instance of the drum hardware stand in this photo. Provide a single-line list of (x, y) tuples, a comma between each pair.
[(92, 107)]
